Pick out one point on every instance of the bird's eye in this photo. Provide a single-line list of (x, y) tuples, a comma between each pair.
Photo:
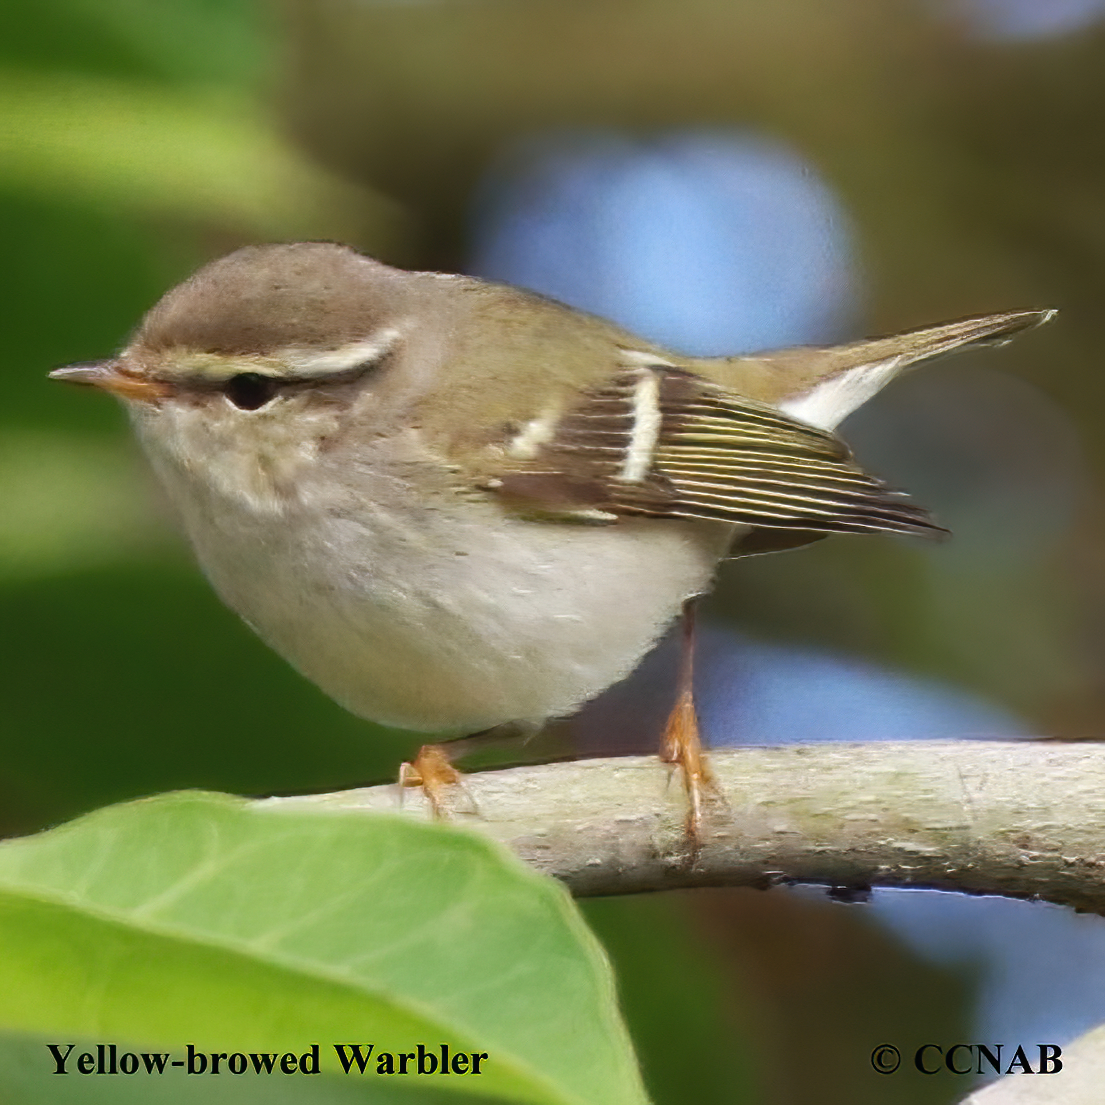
[(249, 390)]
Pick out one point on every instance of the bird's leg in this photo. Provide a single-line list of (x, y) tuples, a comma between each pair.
[(681, 744), (432, 770)]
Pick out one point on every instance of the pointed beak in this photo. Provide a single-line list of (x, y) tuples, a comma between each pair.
[(112, 376)]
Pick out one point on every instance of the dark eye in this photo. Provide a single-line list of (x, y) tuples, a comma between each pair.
[(249, 390)]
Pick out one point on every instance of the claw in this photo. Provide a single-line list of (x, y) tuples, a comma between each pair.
[(681, 744), (433, 771)]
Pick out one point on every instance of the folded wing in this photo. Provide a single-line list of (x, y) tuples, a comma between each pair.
[(655, 440)]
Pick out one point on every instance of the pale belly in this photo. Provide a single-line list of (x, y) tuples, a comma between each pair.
[(455, 622)]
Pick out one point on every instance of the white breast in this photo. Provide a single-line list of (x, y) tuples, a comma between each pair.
[(452, 616)]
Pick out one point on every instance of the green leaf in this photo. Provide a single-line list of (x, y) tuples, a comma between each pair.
[(196, 918)]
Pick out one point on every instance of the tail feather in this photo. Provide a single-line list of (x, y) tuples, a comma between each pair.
[(847, 376), (931, 341), (821, 386)]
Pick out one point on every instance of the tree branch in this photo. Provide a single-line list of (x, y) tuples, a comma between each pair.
[(1023, 819)]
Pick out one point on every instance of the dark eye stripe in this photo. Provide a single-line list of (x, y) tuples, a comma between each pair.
[(249, 391)]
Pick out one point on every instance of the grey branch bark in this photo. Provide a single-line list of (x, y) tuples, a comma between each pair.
[(1020, 819)]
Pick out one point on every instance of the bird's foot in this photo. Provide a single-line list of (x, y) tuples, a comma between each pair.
[(432, 770), (682, 746)]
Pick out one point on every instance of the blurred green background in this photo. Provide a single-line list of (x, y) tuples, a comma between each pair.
[(137, 141)]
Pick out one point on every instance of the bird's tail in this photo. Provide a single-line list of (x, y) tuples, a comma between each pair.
[(822, 386)]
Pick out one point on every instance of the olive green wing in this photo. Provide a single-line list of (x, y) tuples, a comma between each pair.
[(655, 440)]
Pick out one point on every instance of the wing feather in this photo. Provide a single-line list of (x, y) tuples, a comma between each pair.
[(717, 456)]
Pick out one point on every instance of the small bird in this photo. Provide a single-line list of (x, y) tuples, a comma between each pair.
[(456, 505)]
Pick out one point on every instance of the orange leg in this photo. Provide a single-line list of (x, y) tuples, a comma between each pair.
[(432, 770), (681, 744)]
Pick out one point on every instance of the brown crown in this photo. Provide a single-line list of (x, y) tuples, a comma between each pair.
[(264, 298)]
